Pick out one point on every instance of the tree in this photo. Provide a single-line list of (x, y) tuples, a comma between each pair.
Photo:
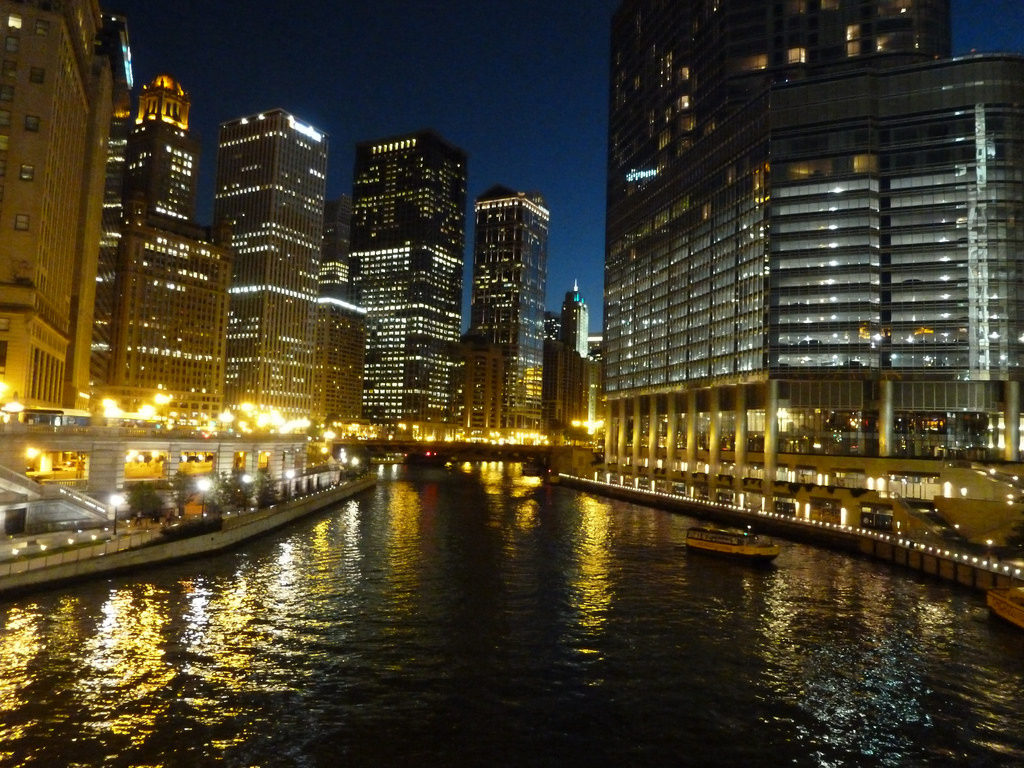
[(265, 488), (182, 488), (144, 500)]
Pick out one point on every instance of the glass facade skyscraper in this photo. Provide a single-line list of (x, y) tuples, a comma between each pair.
[(271, 177), (408, 235), (510, 255), (812, 221)]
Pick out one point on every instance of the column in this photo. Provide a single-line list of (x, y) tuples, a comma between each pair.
[(886, 419), (691, 429), (652, 435), (771, 435), (608, 432), (670, 437), (622, 434), (741, 432), (636, 435), (714, 406), (1011, 420)]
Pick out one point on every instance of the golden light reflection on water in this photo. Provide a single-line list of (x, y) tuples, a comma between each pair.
[(591, 587), (127, 653), (19, 646)]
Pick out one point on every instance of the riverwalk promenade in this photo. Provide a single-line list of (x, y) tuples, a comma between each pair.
[(939, 559), (79, 555)]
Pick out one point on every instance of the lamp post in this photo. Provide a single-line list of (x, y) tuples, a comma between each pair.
[(116, 500), (204, 484)]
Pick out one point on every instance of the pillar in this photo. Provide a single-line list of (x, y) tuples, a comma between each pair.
[(621, 435), (691, 429), (609, 433), (771, 434), (636, 435), (1011, 421), (714, 426), (670, 437), (741, 432), (886, 419), (652, 434)]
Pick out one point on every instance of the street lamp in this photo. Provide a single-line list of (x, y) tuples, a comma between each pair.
[(116, 500), (204, 484)]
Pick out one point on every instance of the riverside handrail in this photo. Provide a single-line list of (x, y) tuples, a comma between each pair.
[(992, 566), (119, 544)]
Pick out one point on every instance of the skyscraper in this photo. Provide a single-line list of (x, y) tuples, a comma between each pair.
[(271, 171), (340, 359), (509, 281), (408, 233), (55, 107), (335, 278), (806, 256), (575, 326), (114, 44), (170, 287), (162, 156)]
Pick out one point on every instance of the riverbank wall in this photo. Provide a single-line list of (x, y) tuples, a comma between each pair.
[(938, 560), (135, 552)]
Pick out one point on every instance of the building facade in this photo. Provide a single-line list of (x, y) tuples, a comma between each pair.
[(170, 286), (509, 283), (335, 278), (271, 176), (575, 324), (810, 274), (482, 386), (115, 45), (408, 235), (162, 154), (55, 108), (340, 359)]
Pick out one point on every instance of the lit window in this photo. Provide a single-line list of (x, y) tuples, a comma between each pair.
[(21, 222), (28, 172), (14, 21)]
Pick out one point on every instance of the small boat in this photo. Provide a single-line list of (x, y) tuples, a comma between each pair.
[(732, 542), (1007, 603)]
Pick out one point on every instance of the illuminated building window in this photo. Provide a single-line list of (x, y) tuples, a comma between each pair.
[(28, 172), (21, 222)]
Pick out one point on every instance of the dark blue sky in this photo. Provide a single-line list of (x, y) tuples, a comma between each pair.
[(520, 85)]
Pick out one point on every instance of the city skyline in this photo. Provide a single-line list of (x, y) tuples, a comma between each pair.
[(478, 77)]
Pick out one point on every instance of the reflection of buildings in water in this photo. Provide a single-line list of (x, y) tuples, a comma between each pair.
[(592, 590), (20, 644), (126, 655)]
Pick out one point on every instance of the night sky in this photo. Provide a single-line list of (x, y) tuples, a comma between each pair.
[(521, 86)]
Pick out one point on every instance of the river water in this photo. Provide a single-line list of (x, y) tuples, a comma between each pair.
[(470, 617)]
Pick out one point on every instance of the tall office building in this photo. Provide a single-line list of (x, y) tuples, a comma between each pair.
[(271, 171), (812, 225), (114, 44), (170, 284), (509, 281), (339, 361), (575, 325), (408, 234), (55, 107), (335, 278), (162, 155)]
